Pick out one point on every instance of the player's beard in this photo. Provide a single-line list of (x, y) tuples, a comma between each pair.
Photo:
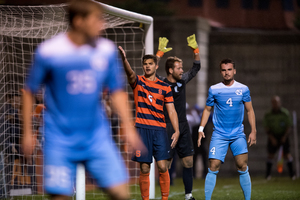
[(176, 77), (227, 81)]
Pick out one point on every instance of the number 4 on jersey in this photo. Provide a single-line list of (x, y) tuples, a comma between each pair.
[(229, 101), (213, 150)]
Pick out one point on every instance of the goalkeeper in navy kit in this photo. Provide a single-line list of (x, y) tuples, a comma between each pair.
[(177, 79)]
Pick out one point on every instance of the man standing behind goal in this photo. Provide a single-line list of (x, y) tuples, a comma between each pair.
[(178, 80), (150, 96), (75, 68)]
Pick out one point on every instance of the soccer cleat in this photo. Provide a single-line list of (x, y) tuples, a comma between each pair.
[(191, 198), (268, 177)]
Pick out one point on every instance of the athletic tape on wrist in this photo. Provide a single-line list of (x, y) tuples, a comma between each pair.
[(200, 129), (159, 53)]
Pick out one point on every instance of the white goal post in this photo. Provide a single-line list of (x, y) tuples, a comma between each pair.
[(22, 28)]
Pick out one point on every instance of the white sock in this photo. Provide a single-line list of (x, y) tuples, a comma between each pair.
[(188, 196)]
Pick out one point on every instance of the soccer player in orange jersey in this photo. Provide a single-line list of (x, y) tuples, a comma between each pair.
[(150, 96)]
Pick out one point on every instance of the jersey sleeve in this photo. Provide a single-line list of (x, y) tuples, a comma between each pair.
[(169, 95), (210, 98), (187, 76), (246, 95), (37, 73), (115, 79), (133, 85)]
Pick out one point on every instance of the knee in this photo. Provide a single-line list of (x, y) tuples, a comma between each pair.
[(145, 169), (214, 166), (162, 168), (188, 163), (243, 167)]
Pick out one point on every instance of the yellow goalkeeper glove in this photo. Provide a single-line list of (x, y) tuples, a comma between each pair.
[(162, 46), (193, 43)]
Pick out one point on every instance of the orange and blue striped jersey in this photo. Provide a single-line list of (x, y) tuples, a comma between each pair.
[(149, 100)]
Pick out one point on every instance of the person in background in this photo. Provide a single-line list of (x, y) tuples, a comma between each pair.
[(277, 123)]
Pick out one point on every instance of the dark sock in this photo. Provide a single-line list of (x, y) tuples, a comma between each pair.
[(187, 176), (269, 167), (290, 168)]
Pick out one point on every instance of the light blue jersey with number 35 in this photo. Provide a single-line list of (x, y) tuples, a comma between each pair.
[(74, 77), (228, 103)]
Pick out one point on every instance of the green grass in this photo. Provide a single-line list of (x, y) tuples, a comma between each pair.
[(229, 189), (226, 189)]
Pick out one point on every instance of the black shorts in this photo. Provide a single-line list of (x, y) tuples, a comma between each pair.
[(184, 146), (273, 149)]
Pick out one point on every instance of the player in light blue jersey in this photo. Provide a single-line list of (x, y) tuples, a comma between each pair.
[(75, 68), (228, 98)]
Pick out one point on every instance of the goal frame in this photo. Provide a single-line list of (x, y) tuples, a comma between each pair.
[(149, 39)]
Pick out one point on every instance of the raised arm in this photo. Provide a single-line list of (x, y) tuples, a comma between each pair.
[(251, 119), (174, 120), (203, 122), (162, 49), (131, 75), (191, 73), (28, 141)]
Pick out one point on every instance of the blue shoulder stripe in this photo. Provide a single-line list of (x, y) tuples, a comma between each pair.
[(162, 83), (151, 89)]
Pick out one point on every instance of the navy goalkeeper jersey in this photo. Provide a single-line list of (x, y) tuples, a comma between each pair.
[(178, 90)]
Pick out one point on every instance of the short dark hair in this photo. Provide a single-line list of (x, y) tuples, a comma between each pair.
[(149, 56), (226, 61), (82, 8), (170, 63)]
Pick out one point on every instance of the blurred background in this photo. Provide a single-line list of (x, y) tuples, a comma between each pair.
[(261, 36)]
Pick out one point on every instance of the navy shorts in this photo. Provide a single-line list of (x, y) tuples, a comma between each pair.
[(184, 146), (157, 144)]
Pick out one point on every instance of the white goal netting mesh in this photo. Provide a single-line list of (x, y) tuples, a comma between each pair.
[(22, 28)]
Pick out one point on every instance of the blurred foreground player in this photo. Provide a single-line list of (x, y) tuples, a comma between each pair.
[(178, 80), (75, 68), (150, 96), (228, 99)]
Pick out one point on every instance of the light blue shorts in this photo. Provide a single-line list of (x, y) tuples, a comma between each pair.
[(219, 146), (103, 163)]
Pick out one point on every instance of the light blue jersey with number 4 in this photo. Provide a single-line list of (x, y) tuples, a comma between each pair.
[(228, 103)]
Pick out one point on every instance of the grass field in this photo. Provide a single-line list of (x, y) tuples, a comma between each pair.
[(229, 189), (278, 188)]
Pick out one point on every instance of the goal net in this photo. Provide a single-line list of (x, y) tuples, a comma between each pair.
[(22, 28)]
